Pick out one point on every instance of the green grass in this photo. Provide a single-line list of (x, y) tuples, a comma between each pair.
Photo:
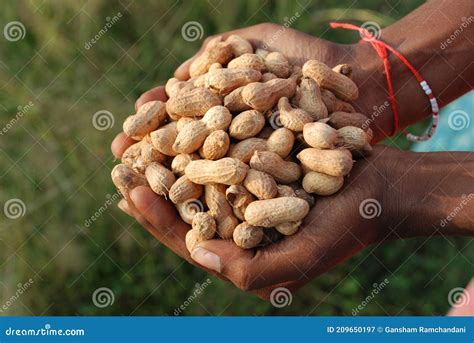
[(58, 164)]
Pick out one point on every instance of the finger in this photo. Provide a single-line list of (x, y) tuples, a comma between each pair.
[(157, 93), (164, 223), (120, 143), (124, 207)]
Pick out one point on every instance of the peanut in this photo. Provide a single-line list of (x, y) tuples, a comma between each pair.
[(246, 61), (271, 163), (191, 240), (322, 184), (246, 124), (181, 122), (268, 76), (344, 69), (280, 142), (334, 104), (183, 189), (277, 64), (228, 171), (247, 236), (220, 209), (163, 139), (272, 212), (234, 101), (193, 134), (302, 194), (192, 103), (215, 52), (332, 162), (215, 146), (342, 86), (148, 152), (125, 179), (261, 52), (288, 228), (148, 117), (263, 96), (180, 162), (308, 98), (285, 191), (292, 118), (215, 66), (159, 178), (260, 184), (239, 45), (320, 135), (130, 156), (174, 86), (204, 225), (239, 198), (352, 138), (224, 81)]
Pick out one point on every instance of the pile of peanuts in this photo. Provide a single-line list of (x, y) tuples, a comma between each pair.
[(243, 147)]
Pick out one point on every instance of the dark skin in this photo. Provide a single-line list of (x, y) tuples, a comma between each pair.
[(335, 230)]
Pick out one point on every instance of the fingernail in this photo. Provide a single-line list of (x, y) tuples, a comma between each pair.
[(206, 258)]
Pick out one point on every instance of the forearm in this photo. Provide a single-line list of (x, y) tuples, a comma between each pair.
[(431, 194), (437, 39)]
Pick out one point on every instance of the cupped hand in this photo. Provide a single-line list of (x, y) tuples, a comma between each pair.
[(332, 232)]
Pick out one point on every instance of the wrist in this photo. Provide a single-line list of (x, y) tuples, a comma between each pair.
[(429, 194)]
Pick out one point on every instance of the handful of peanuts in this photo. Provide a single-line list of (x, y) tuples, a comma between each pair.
[(243, 147)]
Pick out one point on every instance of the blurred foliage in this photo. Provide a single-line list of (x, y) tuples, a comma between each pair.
[(58, 164)]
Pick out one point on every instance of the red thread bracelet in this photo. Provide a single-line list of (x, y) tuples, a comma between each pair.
[(381, 49)]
